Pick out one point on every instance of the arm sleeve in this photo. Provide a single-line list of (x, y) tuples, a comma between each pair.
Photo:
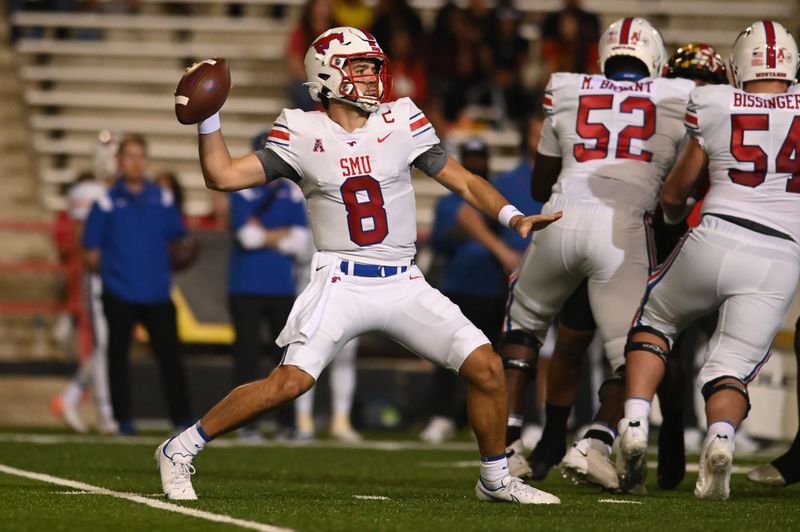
[(95, 227), (548, 142), (279, 143), (423, 136), (431, 161)]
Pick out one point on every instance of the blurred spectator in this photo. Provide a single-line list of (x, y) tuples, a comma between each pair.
[(184, 251), (473, 280), (127, 238), (509, 56), (397, 16), (92, 372), (269, 227), (315, 19), (459, 62), (353, 13), (408, 72), (569, 41)]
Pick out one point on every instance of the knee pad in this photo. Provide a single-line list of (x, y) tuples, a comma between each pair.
[(520, 364), (650, 347), (519, 337), (714, 386)]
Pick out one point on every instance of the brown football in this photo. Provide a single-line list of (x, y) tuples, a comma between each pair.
[(202, 90)]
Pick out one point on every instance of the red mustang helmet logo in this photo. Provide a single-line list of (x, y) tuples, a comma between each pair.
[(322, 44)]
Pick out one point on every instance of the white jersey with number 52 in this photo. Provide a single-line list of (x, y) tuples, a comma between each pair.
[(617, 139), (360, 199), (753, 147)]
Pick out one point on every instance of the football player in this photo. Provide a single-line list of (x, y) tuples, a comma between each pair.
[(742, 259), (607, 144), (352, 162)]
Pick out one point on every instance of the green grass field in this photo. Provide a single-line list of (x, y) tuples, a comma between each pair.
[(318, 487)]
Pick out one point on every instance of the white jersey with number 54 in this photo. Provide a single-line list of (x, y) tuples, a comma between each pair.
[(360, 199), (617, 139), (753, 147)]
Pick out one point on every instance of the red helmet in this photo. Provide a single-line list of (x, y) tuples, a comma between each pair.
[(697, 61)]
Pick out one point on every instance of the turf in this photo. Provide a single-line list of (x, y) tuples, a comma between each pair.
[(312, 488)]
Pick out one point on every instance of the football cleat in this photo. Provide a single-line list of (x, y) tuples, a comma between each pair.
[(714, 478), (176, 474), (632, 455), (342, 430), (588, 462), (517, 464), (767, 475), (513, 489), (439, 430), (69, 414)]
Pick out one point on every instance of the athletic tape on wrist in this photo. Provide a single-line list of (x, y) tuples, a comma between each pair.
[(507, 213), (209, 125)]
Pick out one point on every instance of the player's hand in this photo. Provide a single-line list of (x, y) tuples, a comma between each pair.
[(523, 225)]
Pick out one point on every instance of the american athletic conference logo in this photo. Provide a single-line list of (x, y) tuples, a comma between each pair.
[(318, 147)]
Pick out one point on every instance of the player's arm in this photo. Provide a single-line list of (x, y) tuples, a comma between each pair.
[(675, 194), (223, 172), (546, 169), (475, 226), (479, 193)]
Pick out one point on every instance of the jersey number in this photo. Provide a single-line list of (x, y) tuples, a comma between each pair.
[(366, 217), (786, 162), (602, 136)]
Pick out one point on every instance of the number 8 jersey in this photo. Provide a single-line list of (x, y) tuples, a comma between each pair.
[(617, 139), (753, 146), (360, 200)]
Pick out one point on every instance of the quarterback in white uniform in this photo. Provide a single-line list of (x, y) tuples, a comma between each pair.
[(606, 146), (352, 162), (742, 259)]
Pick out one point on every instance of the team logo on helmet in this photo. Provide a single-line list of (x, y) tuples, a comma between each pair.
[(322, 44)]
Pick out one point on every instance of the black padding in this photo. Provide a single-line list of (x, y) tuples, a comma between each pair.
[(714, 386), (518, 337)]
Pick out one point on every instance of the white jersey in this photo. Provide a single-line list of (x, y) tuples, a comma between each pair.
[(360, 200), (753, 147), (617, 139)]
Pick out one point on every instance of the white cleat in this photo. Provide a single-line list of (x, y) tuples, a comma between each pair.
[(513, 489), (69, 414), (342, 430), (176, 474), (439, 430), (632, 455), (517, 463), (714, 478), (588, 461), (767, 475)]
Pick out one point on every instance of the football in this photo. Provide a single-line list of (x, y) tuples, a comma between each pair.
[(202, 90)]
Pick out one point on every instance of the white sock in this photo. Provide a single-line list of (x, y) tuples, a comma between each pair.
[(343, 379), (493, 470), (719, 428), (189, 442), (637, 408)]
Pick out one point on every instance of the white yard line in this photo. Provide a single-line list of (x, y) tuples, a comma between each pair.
[(619, 501), (459, 464), (160, 505), (371, 497)]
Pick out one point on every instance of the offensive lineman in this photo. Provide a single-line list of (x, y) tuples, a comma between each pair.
[(608, 141), (743, 258), (352, 162)]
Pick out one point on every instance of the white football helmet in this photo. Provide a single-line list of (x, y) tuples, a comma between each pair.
[(637, 38), (328, 68), (765, 50)]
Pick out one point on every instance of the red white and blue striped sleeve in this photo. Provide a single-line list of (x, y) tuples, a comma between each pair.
[(690, 120), (423, 135)]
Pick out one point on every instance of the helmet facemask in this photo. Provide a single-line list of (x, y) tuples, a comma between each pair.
[(366, 82)]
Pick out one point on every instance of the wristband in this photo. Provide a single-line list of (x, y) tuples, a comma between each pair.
[(209, 125), (507, 213)]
